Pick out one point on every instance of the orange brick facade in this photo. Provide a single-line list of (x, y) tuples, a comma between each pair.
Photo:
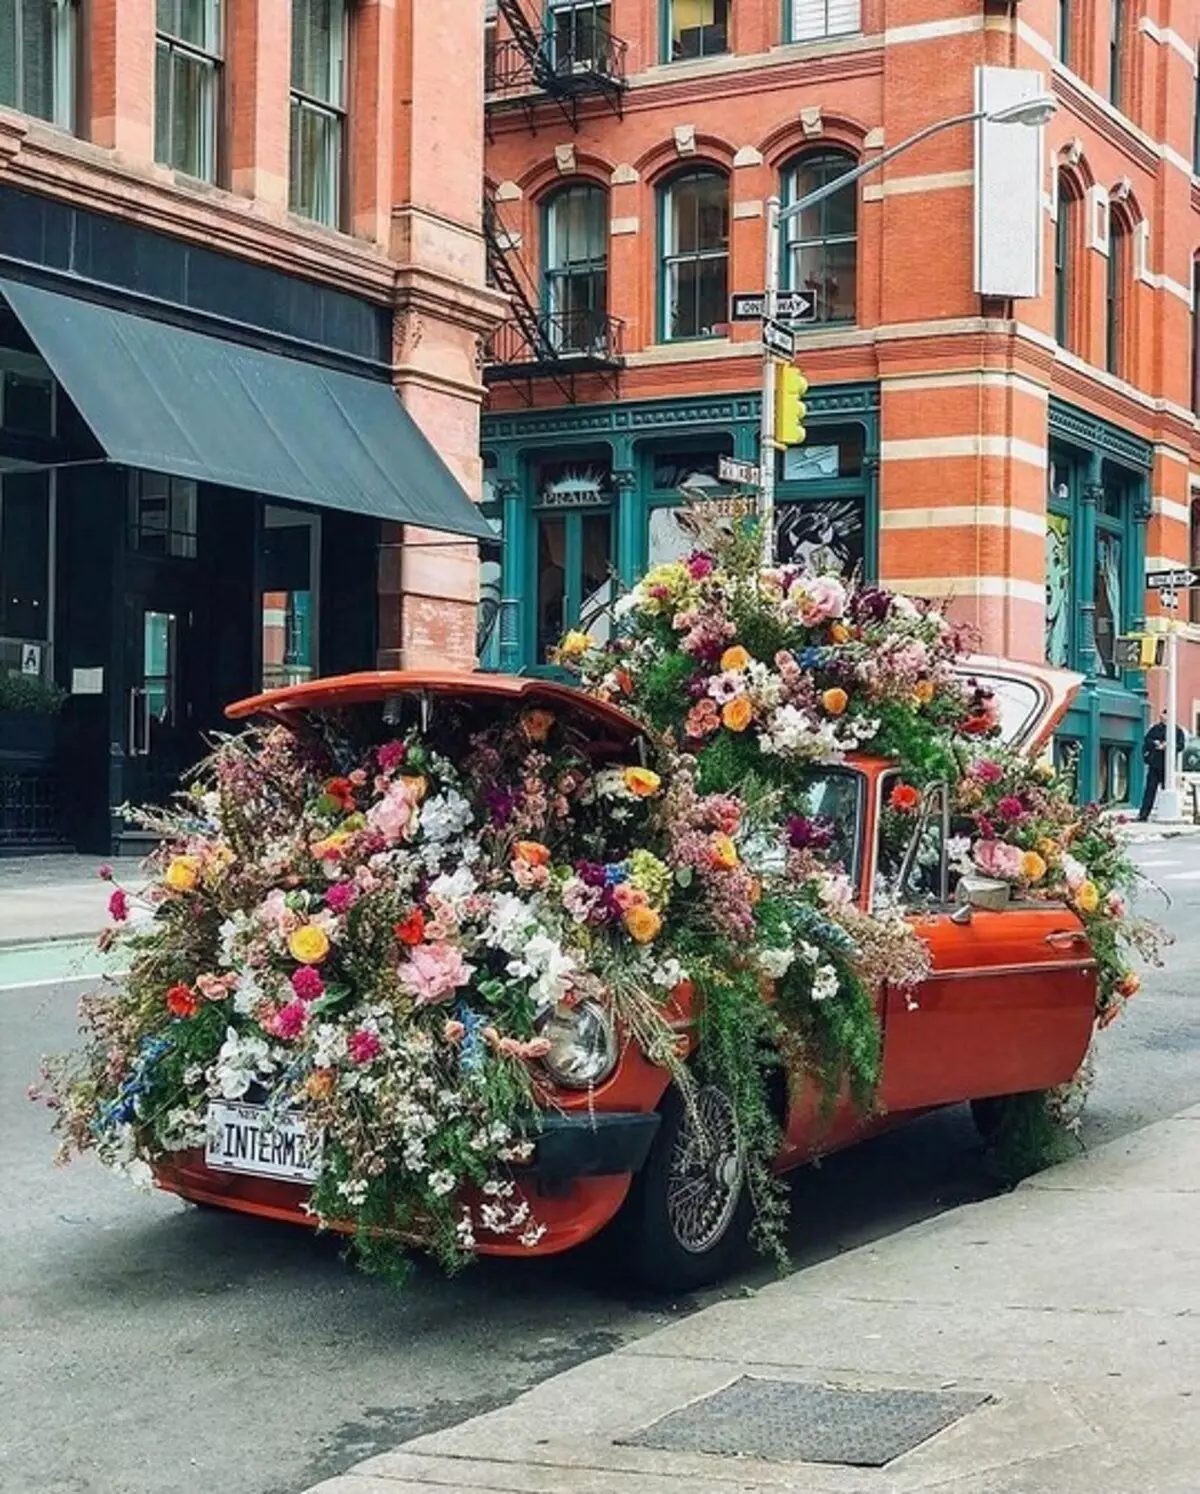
[(412, 163), (966, 388)]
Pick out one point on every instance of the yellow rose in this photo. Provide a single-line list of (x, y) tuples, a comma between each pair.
[(309, 944), (575, 644), (642, 922), (183, 874), (735, 658), (839, 632), (724, 852), (1033, 867), (1048, 847), (835, 700), (417, 787), (1088, 897), (642, 782), (924, 691), (736, 713)]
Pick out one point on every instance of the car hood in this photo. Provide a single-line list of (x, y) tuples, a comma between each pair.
[(1033, 698), (314, 696)]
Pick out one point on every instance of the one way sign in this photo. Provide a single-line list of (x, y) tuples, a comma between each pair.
[(790, 306), (1171, 580)]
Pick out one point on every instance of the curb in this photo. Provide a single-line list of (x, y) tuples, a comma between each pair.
[(46, 941)]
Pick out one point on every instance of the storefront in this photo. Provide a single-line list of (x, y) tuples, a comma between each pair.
[(1097, 508), (588, 494), (192, 494)]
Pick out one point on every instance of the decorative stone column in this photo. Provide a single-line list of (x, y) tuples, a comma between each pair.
[(630, 519)]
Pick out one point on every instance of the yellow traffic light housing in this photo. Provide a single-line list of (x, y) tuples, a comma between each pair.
[(1154, 646), (790, 410)]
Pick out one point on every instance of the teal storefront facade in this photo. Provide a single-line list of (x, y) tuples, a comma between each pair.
[(587, 497)]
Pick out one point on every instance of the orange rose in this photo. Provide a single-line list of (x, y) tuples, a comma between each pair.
[(904, 797), (924, 691), (642, 782), (537, 724), (319, 1084), (736, 713), (642, 923), (1129, 984), (835, 701), (532, 853), (1033, 866), (735, 658), (724, 852), (839, 633)]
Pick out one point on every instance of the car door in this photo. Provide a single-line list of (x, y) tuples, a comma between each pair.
[(1010, 1001)]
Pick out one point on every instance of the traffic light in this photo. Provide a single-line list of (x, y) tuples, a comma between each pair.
[(1154, 647), (790, 410)]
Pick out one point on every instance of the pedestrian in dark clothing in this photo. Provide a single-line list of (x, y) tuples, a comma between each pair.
[(1154, 755)]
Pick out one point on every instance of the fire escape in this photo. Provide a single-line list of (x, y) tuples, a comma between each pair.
[(574, 58)]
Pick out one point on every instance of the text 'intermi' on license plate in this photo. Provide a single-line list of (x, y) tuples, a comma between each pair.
[(246, 1138)]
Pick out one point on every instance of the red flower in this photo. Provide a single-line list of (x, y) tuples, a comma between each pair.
[(182, 1001), (411, 930), (307, 983), (363, 1046), (341, 791), (118, 906), (904, 797)]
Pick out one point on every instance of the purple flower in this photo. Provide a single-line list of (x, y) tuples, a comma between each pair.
[(871, 604), (988, 772), (105, 872), (500, 804), (592, 873), (809, 835)]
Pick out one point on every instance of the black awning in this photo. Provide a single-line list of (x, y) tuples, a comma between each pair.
[(159, 397)]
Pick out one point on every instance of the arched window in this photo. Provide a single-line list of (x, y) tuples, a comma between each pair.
[(1116, 294), (821, 243), (576, 259), (1066, 233), (695, 256)]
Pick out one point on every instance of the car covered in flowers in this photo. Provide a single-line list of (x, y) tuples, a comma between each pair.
[(493, 964)]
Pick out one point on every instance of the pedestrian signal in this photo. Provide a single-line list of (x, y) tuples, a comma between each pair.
[(790, 409), (1154, 650)]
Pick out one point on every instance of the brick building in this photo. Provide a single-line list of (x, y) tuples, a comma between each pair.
[(231, 232), (1027, 454)]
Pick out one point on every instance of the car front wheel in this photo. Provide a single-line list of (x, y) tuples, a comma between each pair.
[(687, 1218)]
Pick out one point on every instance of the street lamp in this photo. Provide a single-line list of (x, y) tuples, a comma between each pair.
[(1032, 112)]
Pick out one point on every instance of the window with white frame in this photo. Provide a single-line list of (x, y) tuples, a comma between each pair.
[(318, 107), (187, 83), (580, 34), (37, 39), (696, 256), (813, 20), (821, 242)]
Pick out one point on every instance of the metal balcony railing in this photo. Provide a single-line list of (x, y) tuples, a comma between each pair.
[(565, 340), (576, 56)]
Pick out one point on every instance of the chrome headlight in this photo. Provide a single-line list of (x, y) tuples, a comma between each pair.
[(583, 1045)]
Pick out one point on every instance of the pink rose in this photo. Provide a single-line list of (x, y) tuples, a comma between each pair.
[(118, 906), (1011, 809), (996, 858), (433, 972), (821, 599), (454, 1032), (105, 872), (290, 1021), (363, 1046), (391, 755), (1114, 905), (215, 987), (988, 771), (341, 897), (626, 896), (393, 815)]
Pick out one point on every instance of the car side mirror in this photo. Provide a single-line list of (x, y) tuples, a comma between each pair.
[(983, 892)]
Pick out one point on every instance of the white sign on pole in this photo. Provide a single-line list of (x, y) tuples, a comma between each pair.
[(1009, 174), (31, 658)]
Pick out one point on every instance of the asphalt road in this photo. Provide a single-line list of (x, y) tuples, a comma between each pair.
[(150, 1348)]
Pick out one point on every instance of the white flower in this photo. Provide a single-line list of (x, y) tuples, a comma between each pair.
[(629, 602), (544, 962), (667, 973), (445, 816), (508, 923), (958, 850), (249, 995), (610, 783), (240, 1061), (441, 1183), (776, 963), (825, 983), (809, 953), (454, 888), (904, 607)]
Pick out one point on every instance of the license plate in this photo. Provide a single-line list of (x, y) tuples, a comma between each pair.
[(244, 1138)]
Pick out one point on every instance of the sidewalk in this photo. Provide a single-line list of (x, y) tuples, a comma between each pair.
[(1056, 1329), (51, 898)]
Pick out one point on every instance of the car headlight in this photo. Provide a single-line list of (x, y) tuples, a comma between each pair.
[(583, 1045)]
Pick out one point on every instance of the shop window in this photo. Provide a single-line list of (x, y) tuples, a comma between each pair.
[(37, 42), (318, 109), (1058, 589), (163, 514), (816, 19), (830, 452), (291, 555), (25, 556), (574, 550), (697, 28), (1114, 773), (27, 403), (825, 535), (1066, 233), (674, 467), (696, 256), (1062, 39), (1118, 276), (581, 33), (1108, 601), (576, 239), (821, 243), (187, 83)]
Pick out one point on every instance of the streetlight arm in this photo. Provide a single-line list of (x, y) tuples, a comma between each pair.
[(848, 178)]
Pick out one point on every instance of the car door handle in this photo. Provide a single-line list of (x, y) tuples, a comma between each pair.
[(1062, 938)]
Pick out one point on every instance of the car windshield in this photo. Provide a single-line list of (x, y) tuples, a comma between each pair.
[(834, 797), (1018, 702)]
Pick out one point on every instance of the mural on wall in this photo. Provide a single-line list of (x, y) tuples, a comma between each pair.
[(823, 536), (1058, 589)]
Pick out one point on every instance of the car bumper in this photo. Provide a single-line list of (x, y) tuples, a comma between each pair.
[(595, 1145)]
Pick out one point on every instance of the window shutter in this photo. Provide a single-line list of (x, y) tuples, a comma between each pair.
[(814, 19)]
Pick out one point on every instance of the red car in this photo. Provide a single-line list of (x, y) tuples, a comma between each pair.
[(1008, 1008)]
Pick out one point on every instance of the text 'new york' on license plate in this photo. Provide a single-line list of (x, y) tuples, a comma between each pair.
[(246, 1138)]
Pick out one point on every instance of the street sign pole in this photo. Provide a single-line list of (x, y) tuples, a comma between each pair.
[(766, 457), (1166, 806)]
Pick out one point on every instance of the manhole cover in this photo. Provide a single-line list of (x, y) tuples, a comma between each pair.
[(782, 1421)]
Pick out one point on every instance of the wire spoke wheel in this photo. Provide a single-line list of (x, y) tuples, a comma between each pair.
[(706, 1171)]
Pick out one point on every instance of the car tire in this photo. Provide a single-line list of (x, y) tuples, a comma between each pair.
[(687, 1219)]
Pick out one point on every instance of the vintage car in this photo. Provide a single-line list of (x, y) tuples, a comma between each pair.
[(1008, 1008)]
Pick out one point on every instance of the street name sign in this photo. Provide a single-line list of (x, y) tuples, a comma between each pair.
[(730, 469), (790, 306), (1171, 580), (779, 339)]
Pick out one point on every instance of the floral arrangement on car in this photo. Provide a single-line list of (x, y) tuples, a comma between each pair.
[(416, 935)]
